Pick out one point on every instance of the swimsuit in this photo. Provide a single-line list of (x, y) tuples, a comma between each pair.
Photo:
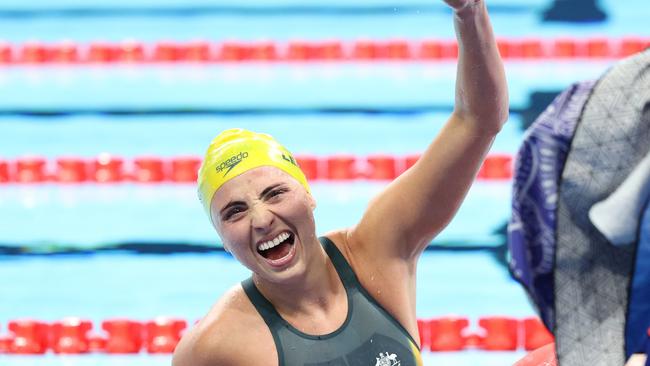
[(369, 336)]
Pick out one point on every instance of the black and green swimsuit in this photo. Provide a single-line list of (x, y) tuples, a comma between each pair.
[(370, 336)]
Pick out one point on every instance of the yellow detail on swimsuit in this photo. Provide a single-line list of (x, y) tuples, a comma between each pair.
[(236, 151), (416, 354)]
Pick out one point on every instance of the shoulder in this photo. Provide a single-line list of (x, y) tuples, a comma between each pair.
[(364, 255), (389, 281), (344, 242), (223, 337)]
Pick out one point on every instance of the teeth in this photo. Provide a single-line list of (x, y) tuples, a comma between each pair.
[(271, 243)]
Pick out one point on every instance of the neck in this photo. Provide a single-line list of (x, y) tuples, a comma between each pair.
[(315, 291)]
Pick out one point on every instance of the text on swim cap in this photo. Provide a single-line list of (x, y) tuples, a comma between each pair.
[(231, 162), (289, 159)]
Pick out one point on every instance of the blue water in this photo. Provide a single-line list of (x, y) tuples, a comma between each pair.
[(316, 134), (625, 19), (59, 4), (186, 285), (91, 216), (289, 86)]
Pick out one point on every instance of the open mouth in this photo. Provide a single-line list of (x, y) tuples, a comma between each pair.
[(277, 248)]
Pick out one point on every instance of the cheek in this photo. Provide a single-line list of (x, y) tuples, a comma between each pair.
[(292, 203), (298, 209), (237, 246), (232, 236)]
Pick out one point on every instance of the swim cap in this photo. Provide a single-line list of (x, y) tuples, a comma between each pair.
[(236, 151)]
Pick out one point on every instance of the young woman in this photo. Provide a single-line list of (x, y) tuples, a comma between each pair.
[(347, 298)]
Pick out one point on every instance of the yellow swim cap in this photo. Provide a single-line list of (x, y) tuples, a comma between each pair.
[(236, 151)]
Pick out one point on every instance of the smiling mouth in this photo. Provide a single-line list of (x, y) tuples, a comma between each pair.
[(274, 251)]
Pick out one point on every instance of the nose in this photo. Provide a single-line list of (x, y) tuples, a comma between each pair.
[(262, 218)]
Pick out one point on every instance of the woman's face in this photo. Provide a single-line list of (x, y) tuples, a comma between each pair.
[(265, 219)]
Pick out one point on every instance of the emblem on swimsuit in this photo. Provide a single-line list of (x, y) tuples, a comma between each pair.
[(388, 359)]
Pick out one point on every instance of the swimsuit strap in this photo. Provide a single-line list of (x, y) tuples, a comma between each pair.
[(343, 268), (266, 310)]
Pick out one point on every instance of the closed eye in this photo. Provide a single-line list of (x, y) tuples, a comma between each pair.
[(233, 212), (276, 192)]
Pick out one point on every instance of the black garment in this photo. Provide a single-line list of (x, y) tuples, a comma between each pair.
[(369, 335)]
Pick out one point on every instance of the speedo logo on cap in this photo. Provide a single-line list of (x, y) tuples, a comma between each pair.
[(231, 162)]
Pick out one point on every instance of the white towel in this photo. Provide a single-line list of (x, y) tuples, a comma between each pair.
[(617, 217)]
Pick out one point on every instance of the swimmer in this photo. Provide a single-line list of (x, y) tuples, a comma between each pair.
[(347, 298)]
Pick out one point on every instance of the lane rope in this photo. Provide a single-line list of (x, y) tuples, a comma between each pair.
[(136, 52), (113, 169), (75, 335)]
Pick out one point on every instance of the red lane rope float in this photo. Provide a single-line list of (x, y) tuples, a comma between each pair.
[(543, 356), (162, 334), (112, 169), (69, 52), (124, 336), (73, 336), (494, 334)]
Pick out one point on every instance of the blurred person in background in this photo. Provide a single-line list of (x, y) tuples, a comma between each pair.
[(579, 235), (347, 298)]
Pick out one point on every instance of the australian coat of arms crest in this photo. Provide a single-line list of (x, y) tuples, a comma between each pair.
[(387, 359)]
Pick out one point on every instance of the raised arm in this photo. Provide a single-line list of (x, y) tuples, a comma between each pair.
[(403, 219)]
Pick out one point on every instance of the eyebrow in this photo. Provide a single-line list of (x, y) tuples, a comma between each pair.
[(236, 203)]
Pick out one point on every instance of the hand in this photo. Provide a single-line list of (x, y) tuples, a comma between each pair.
[(636, 360), (461, 4)]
